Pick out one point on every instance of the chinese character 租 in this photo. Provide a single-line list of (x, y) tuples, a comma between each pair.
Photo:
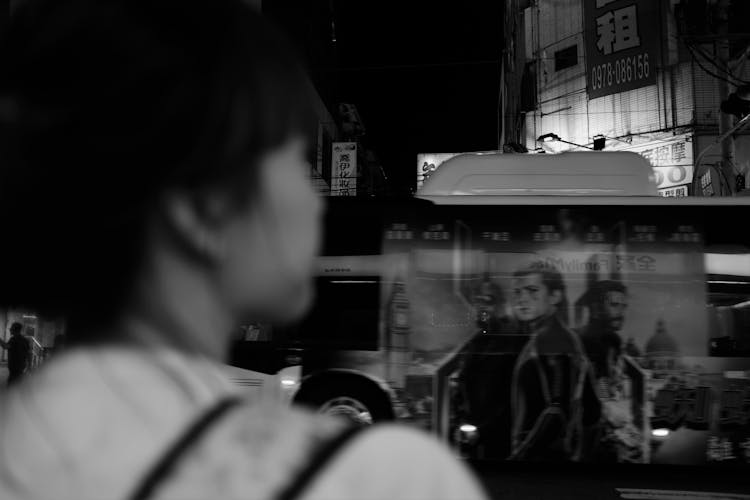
[(618, 30)]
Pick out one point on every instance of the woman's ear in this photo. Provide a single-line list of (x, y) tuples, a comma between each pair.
[(197, 223)]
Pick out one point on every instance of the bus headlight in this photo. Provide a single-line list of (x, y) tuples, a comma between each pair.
[(467, 433), (468, 428), (660, 433)]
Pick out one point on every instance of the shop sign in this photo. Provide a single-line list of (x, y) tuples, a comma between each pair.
[(672, 160), (674, 192), (622, 45), (344, 169)]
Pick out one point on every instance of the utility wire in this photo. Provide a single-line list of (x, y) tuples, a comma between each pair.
[(710, 60), (621, 111), (708, 71), (716, 65)]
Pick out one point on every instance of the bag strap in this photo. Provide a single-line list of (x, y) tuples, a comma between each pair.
[(165, 466), (187, 440), (317, 462)]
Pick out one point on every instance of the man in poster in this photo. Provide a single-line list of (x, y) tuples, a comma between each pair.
[(617, 440), (607, 301), (554, 406), (488, 361)]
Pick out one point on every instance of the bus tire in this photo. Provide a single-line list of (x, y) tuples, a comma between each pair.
[(351, 396)]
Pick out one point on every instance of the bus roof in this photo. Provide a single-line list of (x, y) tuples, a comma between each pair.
[(592, 173), (586, 200)]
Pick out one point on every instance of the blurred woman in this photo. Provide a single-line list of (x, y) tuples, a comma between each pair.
[(159, 147), (19, 353)]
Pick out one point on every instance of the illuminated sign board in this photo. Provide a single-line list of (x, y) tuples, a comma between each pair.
[(672, 160), (674, 192), (622, 45), (344, 169)]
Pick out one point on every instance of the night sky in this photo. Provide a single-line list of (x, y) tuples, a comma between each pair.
[(424, 76)]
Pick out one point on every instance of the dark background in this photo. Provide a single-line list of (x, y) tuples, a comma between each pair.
[(423, 75)]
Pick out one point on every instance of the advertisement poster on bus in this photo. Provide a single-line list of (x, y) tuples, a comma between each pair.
[(569, 337)]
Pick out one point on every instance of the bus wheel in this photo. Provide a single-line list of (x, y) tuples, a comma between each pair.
[(349, 408), (357, 399)]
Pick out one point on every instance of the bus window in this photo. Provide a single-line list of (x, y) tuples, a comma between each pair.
[(728, 282), (344, 316)]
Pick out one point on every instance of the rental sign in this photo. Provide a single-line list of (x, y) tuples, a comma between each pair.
[(622, 45)]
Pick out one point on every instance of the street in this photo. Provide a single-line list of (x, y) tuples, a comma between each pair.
[(539, 481)]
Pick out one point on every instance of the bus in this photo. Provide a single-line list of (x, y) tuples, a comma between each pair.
[(425, 314)]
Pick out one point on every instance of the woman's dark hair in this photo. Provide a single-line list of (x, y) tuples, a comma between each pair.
[(105, 105)]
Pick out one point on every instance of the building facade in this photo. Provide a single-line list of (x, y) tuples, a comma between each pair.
[(646, 76), (312, 26)]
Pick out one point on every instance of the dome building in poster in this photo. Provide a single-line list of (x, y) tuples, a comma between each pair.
[(662, 354)]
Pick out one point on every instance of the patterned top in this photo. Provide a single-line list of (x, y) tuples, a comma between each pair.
[(92, 422)]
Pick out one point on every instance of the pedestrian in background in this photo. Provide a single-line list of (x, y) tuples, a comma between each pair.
[(19, 353), (165, 142)]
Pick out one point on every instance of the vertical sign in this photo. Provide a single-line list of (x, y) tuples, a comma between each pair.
[(622, 45), (344, 169)]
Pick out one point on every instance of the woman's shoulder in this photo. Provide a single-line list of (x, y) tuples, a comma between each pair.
[(251, 449), (264, 449), (254, 450), (395, 461)]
